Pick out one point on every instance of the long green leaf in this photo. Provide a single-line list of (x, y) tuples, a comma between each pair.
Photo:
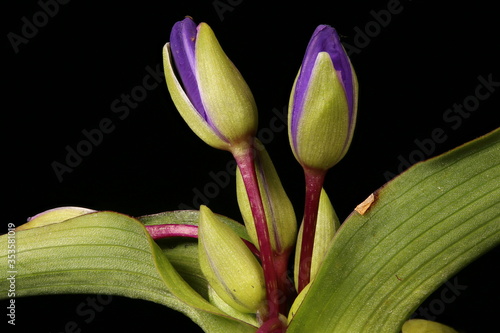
[(106, 253), (422, 228)]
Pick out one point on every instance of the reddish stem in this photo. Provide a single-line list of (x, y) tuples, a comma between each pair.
[(172, 230), (273, 325), (245, 161), (252, 248), (314, 182), (285, 284), (160, 231)]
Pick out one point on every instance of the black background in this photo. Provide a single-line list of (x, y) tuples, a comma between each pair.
[(65, 77)]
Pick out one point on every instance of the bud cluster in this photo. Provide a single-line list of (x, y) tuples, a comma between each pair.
[(215, 101)]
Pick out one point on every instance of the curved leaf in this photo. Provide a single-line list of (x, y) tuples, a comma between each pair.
[(421, 229), (106, 253)]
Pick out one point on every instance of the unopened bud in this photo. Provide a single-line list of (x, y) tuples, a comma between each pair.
[(54, 215), (427, 326), (229, 266)]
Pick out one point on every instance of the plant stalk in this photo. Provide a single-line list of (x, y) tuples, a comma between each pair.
[(314, 182), (245, 160), (160, 231)]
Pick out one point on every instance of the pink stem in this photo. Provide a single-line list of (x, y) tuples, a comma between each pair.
[(160, 231), (273, 325), (252, 248), (172, 230), (245, 161), (314, 183)]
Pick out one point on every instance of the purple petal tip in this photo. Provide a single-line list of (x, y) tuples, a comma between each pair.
[(182, 45)]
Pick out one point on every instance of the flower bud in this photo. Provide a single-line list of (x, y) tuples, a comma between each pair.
[(209, 91), (326, 226), (280, 216), (54, 215), (425, 326), (229, 266), (323, 103)]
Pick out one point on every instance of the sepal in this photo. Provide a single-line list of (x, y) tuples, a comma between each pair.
[(229, 266), (54, 215), (425, 326), (326, 226)]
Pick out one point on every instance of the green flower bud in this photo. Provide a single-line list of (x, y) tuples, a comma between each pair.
[(280, 216), (425, 326), (229, 266), (326, 226), (54, 215)]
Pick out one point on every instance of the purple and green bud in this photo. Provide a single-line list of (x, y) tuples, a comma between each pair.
[(323, 102), (207, 89)]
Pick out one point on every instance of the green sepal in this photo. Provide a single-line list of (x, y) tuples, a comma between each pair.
[(229, 266), (226, 96), (327, 223), (186, 109), (55, 215), (216, 300), (425, 326)]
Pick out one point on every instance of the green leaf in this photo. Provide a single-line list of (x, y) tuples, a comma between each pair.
[(106, 253), (421, 229)]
